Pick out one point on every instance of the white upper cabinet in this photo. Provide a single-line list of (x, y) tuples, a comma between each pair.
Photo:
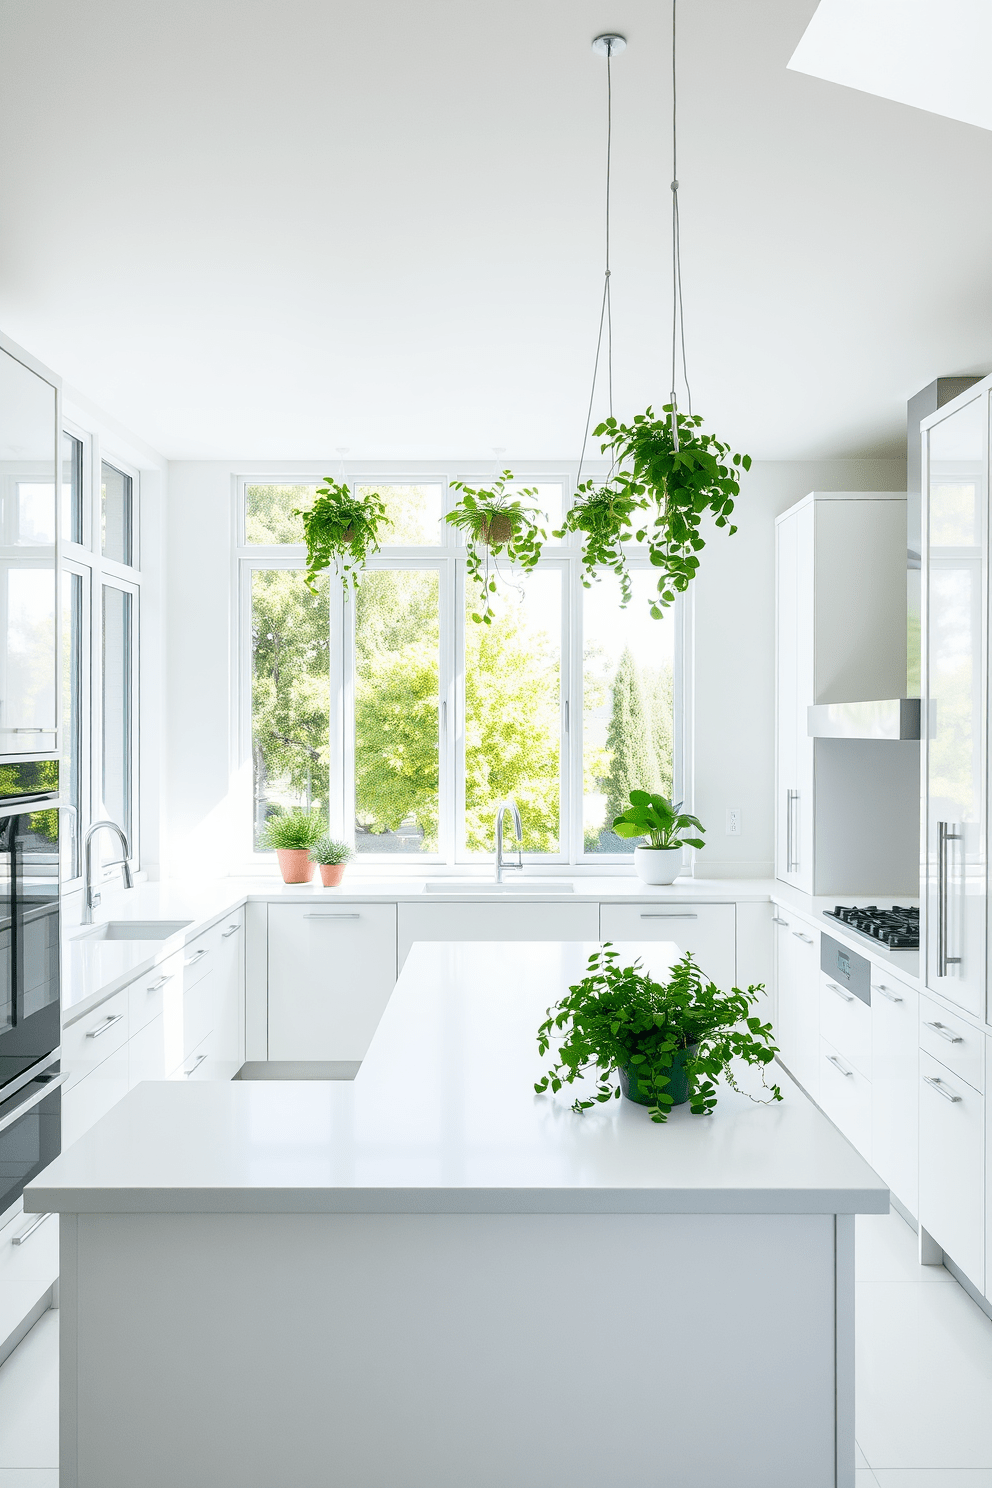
[(955, 689), (29, 445), (846, 810)]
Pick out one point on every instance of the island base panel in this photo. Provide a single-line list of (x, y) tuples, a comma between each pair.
[(439, 1351)]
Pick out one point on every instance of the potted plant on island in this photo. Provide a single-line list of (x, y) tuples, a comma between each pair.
[(292, 834), (340, 528), (495, 522), (667, 1041), (331, 858), (665, 826)]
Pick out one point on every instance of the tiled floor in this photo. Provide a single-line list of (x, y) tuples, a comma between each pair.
[(924, 1378)]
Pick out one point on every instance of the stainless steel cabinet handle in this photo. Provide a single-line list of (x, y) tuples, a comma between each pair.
[(792, 857), (946, 1033), (332, 917), (832, 1059), (847, 996), (195, 1065), (807, 939), (154, 986), (36, 1224), (674, 915), (34, 1100), (777, 920), (105, 1025), (940, 1087), (887, 992), (944, 836), (197, 956), (231, 930)]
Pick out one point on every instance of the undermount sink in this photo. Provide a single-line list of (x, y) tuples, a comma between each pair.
[(487, 886), (132, 930)]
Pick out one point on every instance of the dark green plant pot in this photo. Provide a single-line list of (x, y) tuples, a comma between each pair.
[(677, 1087)]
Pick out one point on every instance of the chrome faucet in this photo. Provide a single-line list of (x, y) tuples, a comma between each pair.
[(508, 805), (91, 896)]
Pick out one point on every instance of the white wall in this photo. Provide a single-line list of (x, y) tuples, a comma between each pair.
[(733, 662)]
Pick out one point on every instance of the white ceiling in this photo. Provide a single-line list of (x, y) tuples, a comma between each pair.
[(264, 230)]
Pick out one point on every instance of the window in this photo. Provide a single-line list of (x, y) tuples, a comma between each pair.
[(117, 768), (408, 724), (72, 489), (73, 702), (116, 515)]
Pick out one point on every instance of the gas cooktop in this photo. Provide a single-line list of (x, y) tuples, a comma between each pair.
[(897, 929)]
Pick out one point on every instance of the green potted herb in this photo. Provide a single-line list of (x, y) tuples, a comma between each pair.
[(496, 522), (665, 825), (341, 528), (330, 857), (668, 1042), (678, 485), (603, 515), (292, 834)]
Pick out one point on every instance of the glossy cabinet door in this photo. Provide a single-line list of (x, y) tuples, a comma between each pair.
[(952, 1166), (954, 715), (794, 693), (29, 443), (895, 1081), (709, 931)]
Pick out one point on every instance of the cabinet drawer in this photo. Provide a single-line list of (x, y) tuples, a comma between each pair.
[(155, 1050), (93, 1038), (895, 1087), (952, 1162), (845, 1023), (202, 954), (953, 1042), (36, 1257), (85, 1102), (709, 931), (443, 921), (149, 996), (198, 1011), (845, 1095), (207, 1062)]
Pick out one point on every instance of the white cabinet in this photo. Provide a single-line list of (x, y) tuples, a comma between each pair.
[(845, 809), (330, 973), (709, 931), (845, 1096), (448, 921), (91, 1039), (84, 1103), (895, 1086), (952, 1166), (845, 1023), (797, 1031)]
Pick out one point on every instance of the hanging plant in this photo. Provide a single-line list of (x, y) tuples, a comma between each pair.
[(677, 481), (340, 528), (496, 523), (603, 515)]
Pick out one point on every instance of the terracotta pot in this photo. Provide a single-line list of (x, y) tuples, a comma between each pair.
[(496, 531), (294, 864), (331, 874)]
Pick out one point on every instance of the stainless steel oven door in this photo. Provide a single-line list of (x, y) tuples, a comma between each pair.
[(30, 1027), (30, 1135)]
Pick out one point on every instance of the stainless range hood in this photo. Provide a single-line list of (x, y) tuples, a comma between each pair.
[(888, 718)]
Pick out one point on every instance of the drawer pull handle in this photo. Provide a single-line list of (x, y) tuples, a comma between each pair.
[(670, 916), (309, 916), (808, 939), (832, 1059), (35, 1224), (887, 992), (946, 1033), (195, 1065), (777, 920), (940, 1087), (154, 986), (231, 930), (847, 996), (196, 956), (107, 1023)]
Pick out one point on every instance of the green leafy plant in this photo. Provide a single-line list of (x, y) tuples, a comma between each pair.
[(603, 515), (675, 487), (293, 831), (341, 528), (326, 850), (619, 1018), (658, 819), (496, 522)]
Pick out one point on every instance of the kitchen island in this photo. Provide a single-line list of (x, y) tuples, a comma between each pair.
[(433, 1278)]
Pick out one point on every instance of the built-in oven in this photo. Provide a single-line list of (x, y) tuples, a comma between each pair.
[(30, 1132)]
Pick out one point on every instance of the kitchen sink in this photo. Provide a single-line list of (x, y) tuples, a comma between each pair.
[(132, 930), (487, 886)]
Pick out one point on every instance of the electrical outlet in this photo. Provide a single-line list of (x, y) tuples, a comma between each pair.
[(733, 821)]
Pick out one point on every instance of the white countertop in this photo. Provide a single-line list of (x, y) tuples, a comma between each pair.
[(443, 1118), (904, 964)]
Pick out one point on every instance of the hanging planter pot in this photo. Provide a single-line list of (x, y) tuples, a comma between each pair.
[(341, 529), (604, 516), (495, 524)]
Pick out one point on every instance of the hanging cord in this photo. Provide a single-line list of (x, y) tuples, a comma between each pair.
[(678, 316), (606, 308)]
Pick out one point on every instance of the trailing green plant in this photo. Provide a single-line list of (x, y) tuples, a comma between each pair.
[(326, 850), (341, 528), (603, 514), (660, 820), (619, 1018), (676, 487), (292, 831), (496, 522)]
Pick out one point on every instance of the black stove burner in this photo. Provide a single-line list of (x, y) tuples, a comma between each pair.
[(897, 928)]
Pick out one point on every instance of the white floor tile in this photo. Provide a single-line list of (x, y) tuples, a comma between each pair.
[(887, 1249), (924, 1377), (29, 1401), (933, 1477)]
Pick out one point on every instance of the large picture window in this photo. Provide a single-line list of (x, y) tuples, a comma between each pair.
[(408, 724)]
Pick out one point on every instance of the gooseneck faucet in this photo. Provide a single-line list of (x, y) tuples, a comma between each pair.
[(511, 806), (91, 896)]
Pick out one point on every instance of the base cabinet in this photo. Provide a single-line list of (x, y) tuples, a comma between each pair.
[(445, 921), (709, 931), (895, 1087), (952, 1165), (798, 998)]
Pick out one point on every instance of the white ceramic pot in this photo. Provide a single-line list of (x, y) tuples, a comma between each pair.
[(657, 865)]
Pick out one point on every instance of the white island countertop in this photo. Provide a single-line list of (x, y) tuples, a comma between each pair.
[(443, 1118)]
